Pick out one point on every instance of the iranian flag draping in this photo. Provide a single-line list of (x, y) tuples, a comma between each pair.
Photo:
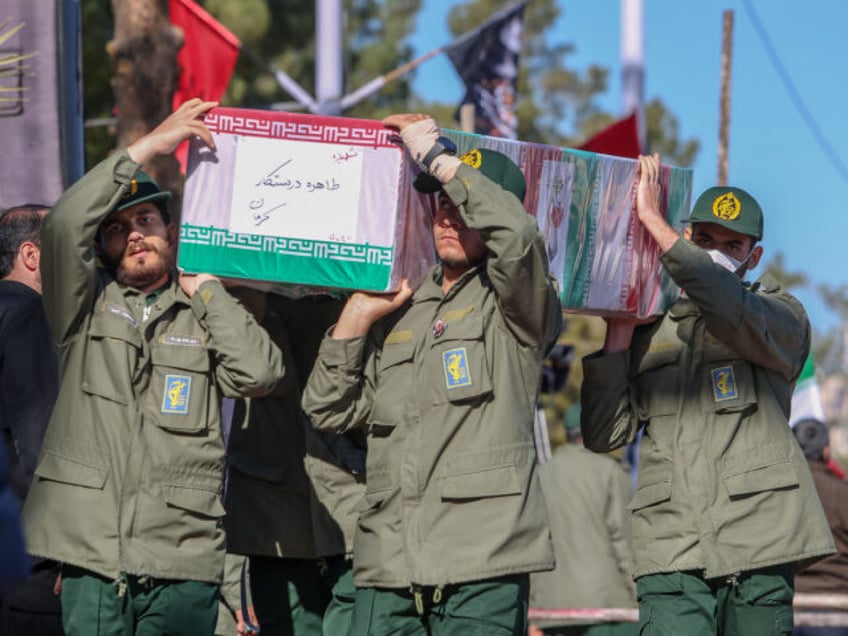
[(806, 400), (41, 123), (206, 59)]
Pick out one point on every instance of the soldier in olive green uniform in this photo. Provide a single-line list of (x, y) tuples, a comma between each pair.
[(297, 550), (128, 485), (445, 382), (725, 508), (586, 495)]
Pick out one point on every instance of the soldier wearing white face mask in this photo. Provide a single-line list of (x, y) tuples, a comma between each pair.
[(725, 510)]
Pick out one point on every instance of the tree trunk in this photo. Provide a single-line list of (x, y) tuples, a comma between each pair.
[(143, 53)]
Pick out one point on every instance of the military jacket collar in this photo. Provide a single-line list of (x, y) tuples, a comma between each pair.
[(431, 287)]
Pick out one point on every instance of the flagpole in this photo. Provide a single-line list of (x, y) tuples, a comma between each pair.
[(724, 101), (633, 63), (378, 82), (285, 81), (328, 62)]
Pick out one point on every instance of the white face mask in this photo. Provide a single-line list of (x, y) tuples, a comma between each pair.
[(728, 262)]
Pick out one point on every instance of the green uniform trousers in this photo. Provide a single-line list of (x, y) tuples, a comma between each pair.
[(92, 605), (753, 603), (290, 596), (339, 613), (494, 607)]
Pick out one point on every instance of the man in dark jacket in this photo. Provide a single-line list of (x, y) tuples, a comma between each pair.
[(28, 386), (290, 488)]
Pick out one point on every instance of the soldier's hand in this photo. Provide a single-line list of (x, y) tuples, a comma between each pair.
[(620, 331), (183, 123), (402, 120), (418, 132), (191, 282), (648, 192), (363, 309), (241, 624), (648, 203)]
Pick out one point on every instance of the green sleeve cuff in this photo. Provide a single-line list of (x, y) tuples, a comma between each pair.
[(458, 187), (231, 586), (345, 353), (600, 370), (684, 260), (124, 168)]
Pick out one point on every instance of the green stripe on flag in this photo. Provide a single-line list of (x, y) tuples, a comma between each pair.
[(282, 260)]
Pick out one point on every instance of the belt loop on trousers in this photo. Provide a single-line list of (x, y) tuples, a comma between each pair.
[(418, 597), (437, 595), (121, 584)]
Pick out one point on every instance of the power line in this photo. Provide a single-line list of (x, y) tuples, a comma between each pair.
[(805, 113)]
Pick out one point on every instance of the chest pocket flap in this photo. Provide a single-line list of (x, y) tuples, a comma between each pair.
[(395, 377), (657, 379), (188, 357), (112, 351), (115, 323), (396, 352)]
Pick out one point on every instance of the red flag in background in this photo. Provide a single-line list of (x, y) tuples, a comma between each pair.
[(620, 139), (206, 59)]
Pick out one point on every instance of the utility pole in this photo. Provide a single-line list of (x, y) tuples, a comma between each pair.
[(633, 63), (724, 104)]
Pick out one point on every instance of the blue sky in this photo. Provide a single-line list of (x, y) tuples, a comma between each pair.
[(773, 153)]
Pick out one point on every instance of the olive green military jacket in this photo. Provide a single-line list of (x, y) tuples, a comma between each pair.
[(130, 474), (446, 388), (723, 486), (586, 496), (273, 507)]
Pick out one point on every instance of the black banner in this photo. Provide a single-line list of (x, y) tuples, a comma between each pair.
[(40, 100)]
